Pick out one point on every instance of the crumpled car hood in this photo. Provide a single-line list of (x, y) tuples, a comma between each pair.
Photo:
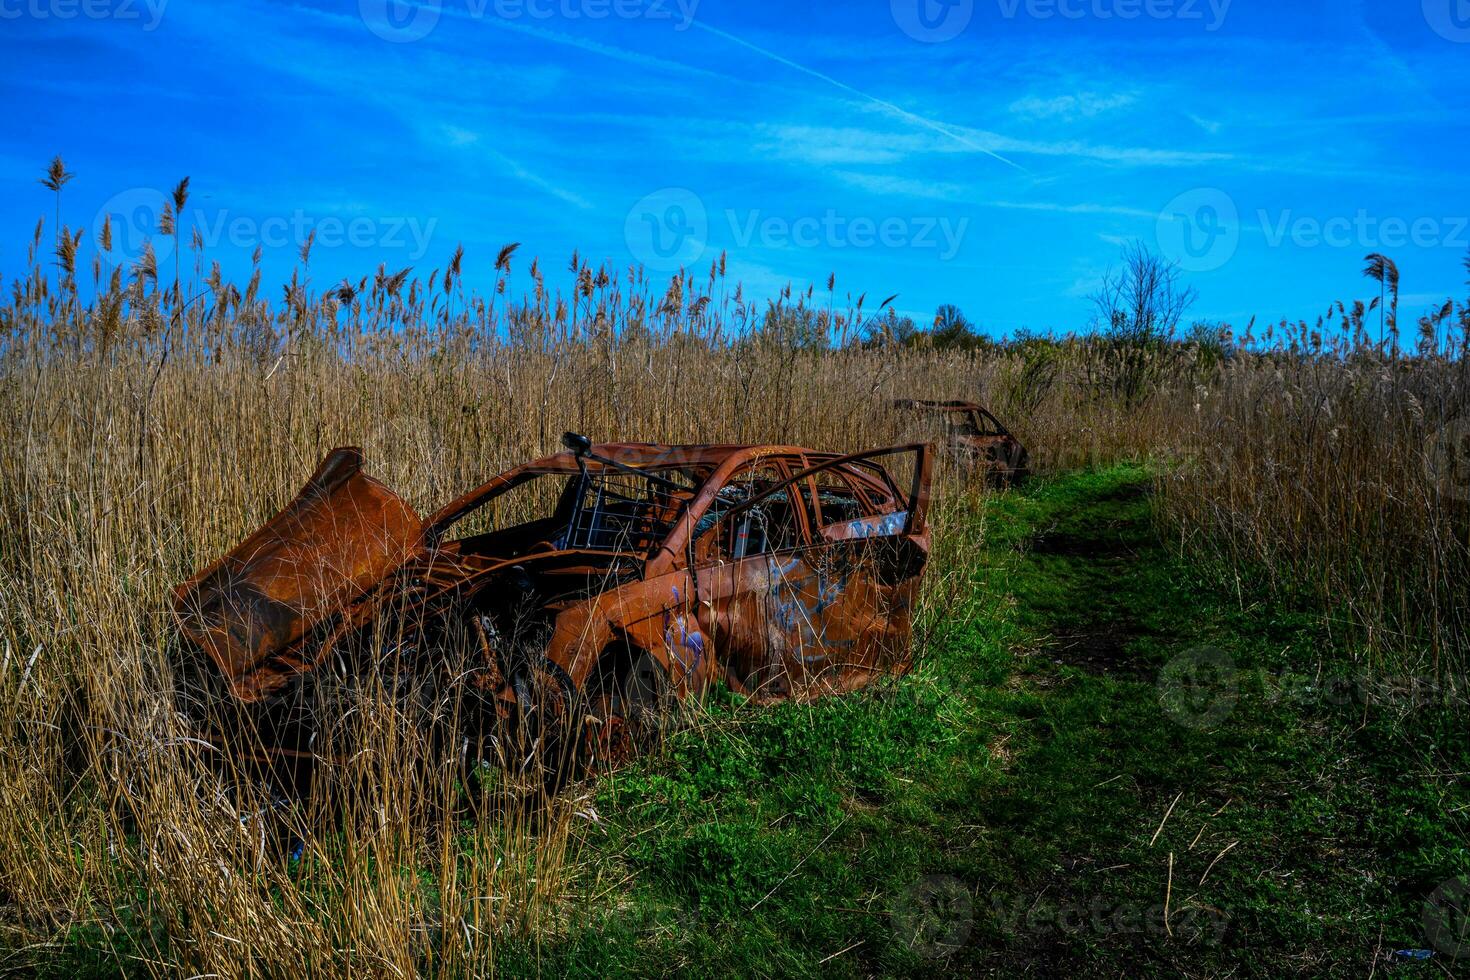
[(337, 539)]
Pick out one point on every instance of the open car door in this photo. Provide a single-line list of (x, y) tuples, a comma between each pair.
[(337, 539), (822, 603)]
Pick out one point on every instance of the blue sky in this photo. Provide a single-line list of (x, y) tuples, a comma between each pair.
[(990, 153)]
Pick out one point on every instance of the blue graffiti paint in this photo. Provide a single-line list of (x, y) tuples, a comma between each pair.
[(887, 526), (690, 641), (792, 610)]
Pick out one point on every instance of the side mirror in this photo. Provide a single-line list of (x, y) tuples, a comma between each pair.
[(579, 444)]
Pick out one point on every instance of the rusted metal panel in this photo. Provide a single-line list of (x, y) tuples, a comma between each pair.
[(778, 570), (251, 609)]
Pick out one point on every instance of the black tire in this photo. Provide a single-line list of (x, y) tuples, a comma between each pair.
[(631, 702)]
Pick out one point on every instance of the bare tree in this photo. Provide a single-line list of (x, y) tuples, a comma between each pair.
[(1139, 307), (1144, 300)]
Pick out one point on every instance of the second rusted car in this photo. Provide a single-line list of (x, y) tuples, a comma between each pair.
[(975, 438), (598, 584)]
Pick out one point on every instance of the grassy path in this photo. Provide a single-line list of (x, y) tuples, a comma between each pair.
[(1106, 766)]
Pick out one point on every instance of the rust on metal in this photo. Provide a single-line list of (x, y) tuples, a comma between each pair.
[(605, 582), (252, 609), (976, 439)]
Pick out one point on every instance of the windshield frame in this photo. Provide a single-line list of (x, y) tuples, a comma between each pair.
[(580, 480)]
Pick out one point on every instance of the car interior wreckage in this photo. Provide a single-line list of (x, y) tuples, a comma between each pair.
[(597, 586)]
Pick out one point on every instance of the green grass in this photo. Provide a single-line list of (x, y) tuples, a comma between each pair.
[(1004, 808)]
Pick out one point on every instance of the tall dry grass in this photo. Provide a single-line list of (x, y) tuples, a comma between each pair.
[(149, 433), (155, 421), (1340, 475)]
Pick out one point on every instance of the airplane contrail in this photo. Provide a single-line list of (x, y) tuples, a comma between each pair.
[(895, 109)]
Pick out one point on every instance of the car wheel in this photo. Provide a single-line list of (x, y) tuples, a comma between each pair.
[(629, 711)]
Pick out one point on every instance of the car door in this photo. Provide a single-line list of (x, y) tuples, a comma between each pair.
[(750, 573), (869, 549), (796, 607)]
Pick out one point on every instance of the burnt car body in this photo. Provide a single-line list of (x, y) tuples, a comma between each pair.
[(606, 582), (976, 439)]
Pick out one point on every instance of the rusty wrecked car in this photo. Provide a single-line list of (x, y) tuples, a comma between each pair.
[(599, 585), (975, 438)]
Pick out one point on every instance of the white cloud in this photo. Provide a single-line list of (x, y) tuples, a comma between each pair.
[(1208, 125), (851, 145), (882, 183), (1109, 209), (458, 136), (831, 144), (1075, 106)]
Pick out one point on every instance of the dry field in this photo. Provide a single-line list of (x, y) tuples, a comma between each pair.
[(154, 416)]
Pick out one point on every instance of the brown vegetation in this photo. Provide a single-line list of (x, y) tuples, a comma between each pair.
[(153, 421)]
